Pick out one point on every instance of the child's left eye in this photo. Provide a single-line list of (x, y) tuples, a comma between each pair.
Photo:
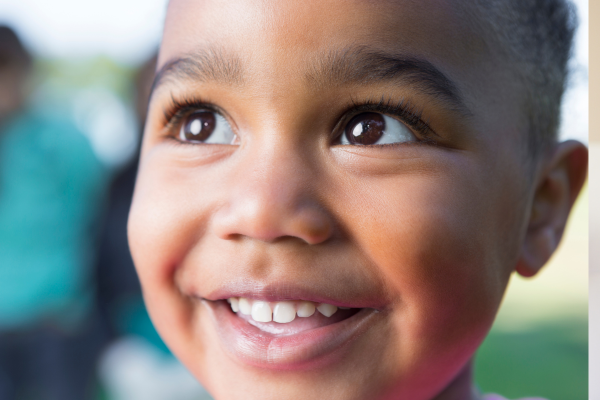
[(371, 128), (205, 126)]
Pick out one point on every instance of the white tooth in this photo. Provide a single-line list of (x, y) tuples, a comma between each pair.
[(261, 311), (326, 309), (306, 309), (235, 304), (283, 312), (245, 306)]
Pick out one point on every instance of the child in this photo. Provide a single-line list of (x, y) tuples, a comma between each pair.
[(333, 194)]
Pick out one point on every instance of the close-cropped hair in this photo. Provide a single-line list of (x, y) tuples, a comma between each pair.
[(536, 37)]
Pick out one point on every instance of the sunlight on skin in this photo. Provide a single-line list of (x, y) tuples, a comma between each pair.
[(425, 233)]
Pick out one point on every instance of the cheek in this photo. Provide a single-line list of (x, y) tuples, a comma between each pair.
[(157, 238), (436, 239), (162, 228)]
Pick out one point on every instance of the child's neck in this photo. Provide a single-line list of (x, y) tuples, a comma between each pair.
[(462, 387)]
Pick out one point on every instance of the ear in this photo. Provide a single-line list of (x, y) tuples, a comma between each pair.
[(560, 179)]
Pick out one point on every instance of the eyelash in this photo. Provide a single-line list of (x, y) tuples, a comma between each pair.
[(177, 110)]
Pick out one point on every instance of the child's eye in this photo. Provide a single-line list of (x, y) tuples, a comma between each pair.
[(373, 128), (206, 127)]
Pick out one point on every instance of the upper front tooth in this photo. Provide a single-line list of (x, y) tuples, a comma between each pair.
[(284, 311), (327, 309), (261, 311), (235, 304), (245, 307), (306, 309)]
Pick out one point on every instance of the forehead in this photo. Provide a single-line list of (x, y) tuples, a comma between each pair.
[(283, 35)]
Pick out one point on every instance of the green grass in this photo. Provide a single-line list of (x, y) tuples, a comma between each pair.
[(549, 360)]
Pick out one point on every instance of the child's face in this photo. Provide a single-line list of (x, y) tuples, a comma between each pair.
[(417, 224)]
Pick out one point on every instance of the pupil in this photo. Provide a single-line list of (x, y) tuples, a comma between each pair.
[(199, 126), (365, 128)]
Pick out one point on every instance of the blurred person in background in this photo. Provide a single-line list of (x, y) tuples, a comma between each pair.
[(15, 65), (119, 292), (51, 191)]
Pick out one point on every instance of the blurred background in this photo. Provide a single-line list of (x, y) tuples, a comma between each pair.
[(68, 160)]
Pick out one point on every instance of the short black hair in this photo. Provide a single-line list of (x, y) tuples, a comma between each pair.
[(536, 36), (12, 51)]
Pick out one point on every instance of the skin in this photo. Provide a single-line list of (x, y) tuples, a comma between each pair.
[(432, 229)]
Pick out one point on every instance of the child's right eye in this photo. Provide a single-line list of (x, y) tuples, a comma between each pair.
[(205, 126)]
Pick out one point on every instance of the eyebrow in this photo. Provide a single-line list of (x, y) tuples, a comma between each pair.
[(355, 65), (361, 66), (210, 64)]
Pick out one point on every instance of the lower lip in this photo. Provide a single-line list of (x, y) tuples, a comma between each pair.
[(305, 350)]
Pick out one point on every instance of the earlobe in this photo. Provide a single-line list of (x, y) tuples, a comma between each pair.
[(537, 250), (559, 182)]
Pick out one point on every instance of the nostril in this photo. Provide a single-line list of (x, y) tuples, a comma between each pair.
[(311, 225), (272, 222)]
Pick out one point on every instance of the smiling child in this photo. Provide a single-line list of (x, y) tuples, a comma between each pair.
[(333, 194)]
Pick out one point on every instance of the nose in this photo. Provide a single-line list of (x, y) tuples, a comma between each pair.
[(272, 195)]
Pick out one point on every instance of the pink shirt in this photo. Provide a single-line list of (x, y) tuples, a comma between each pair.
[(498, 397)]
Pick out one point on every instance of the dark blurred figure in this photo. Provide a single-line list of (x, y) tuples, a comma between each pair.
[(15, 66), (51, 188), (119, 291)]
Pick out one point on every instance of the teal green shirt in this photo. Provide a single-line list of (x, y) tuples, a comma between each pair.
[(51, 190)]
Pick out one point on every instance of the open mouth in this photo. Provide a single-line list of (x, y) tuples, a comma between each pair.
[(288, 334), (284, 318)]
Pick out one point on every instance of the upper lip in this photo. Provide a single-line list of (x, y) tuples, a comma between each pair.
[(281, 291), (341, 278)]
